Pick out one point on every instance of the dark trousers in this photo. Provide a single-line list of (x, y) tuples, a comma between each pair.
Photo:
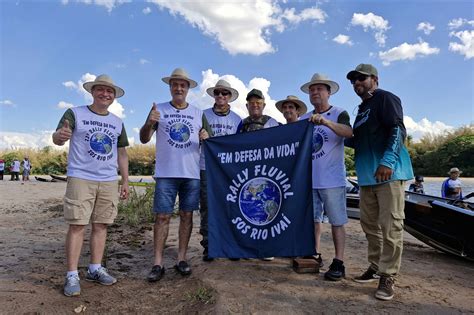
[(14, 176)]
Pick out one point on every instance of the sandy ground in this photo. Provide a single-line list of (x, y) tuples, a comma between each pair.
[(32, 268)]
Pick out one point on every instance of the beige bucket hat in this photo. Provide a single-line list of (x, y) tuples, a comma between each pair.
[(300, 105), (454, 170), (224, 85), (181, 74), (104, 79), (320, 79)]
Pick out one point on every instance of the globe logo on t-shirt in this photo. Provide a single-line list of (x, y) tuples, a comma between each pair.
[(101, 143), (317, 142), (260, 200), (179, 132)]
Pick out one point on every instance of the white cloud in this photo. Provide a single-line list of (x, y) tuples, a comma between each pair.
[(63, 105), (407, 52), (108, 4), (7, 103), (240, 27), (146, 11), (417, 129), (343, 40), (136, 130), (201, 99), (143, 61), (426, 27), (457, 23), (115, 108), (374, 22), (18, 140), (466, 47)]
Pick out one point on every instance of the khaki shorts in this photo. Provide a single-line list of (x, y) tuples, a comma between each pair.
[(87, 200)]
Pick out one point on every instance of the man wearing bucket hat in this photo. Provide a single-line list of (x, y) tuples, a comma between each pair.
[(96, 148), (383, 165), (256, 119), (451, 187), (223, 122), (292, 108), (332, 125), (179, 129)]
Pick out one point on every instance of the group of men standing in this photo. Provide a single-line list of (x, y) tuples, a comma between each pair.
[(97, 148)]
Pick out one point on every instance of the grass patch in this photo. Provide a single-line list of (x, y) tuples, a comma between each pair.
[(137, 209), (201, 295)]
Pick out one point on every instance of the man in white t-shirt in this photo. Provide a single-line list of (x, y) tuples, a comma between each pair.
[(180, 127), (97, 147), (452, 186), (26, 169), (332, 125), (223, 122)]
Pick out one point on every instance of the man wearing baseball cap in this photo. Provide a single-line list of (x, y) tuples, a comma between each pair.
[(256, 119), (97, 147), (382, 165)]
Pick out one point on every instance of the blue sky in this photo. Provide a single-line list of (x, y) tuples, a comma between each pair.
[(424, 51)]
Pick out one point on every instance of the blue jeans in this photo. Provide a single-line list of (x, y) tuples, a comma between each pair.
[(166, 190), (332, 202)]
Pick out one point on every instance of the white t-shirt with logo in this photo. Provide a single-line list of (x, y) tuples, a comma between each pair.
[(328, 168), (177, 142), (221, 125), (93, 145)]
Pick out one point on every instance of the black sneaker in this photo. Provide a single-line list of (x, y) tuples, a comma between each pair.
[(183, 268), (370, 275), (205, 255), (156, 273), (385, 289), (336, 271)]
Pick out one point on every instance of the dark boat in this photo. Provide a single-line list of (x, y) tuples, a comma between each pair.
[(42, 179), (56, 177), (444, 224)]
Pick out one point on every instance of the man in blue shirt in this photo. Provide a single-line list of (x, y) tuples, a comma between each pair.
[(382, 165)]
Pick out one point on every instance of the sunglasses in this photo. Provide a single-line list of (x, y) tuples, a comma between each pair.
[(361, 78), (223, 93)]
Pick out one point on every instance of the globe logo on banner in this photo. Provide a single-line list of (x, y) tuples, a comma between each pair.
[(260, 200), (317, 142), (101, 143), (179, 132)]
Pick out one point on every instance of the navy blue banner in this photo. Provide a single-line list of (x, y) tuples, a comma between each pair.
[(260, 193)]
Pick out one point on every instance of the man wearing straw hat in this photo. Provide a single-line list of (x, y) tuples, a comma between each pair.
[(332, 125), (292, 108), (451, 187), (223, 122), (382, 165), (179, 129), (96, 148)]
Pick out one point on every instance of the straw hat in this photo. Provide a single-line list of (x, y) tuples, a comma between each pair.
[(104, 79), (454, 170), (224, 85), (320, 79), (180, 74), (300, 105)]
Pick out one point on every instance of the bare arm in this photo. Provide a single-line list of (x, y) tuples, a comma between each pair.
[(63, 134), (341, 130), (123, 167), (147, 130)]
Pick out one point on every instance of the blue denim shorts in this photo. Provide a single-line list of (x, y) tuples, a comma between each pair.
[(166, 190), (332, 202)]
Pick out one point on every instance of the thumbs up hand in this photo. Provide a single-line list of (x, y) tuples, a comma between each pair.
[(154, 116), (64, 133)]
